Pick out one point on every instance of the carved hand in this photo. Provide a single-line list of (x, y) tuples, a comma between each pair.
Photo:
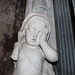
[(43, 37), (49, 52)]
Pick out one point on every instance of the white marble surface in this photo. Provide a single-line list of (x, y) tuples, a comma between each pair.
[(45, 7), (31, 53), (49, 11)]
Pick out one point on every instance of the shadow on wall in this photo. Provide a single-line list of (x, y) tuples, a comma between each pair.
[(11, 16)]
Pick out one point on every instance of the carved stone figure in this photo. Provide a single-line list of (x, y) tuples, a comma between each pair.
[(32, 48)]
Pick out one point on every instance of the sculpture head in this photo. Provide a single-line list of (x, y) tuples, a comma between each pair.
[(35, 27), (32, 28)]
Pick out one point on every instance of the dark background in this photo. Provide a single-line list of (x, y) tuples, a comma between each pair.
[(12, 13)]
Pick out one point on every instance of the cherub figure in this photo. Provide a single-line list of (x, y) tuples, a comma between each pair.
[(32, 48)]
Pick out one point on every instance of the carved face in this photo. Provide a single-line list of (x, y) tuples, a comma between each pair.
[(36, 25)]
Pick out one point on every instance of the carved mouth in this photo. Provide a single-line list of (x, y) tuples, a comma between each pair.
[(33, 39)]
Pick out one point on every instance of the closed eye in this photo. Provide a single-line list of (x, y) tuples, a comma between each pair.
[(39, 31), (32, 29)]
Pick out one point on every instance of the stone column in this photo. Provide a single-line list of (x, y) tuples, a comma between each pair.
[(65, 38)]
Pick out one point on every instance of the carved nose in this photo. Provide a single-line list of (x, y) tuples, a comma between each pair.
[(35, 34)]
